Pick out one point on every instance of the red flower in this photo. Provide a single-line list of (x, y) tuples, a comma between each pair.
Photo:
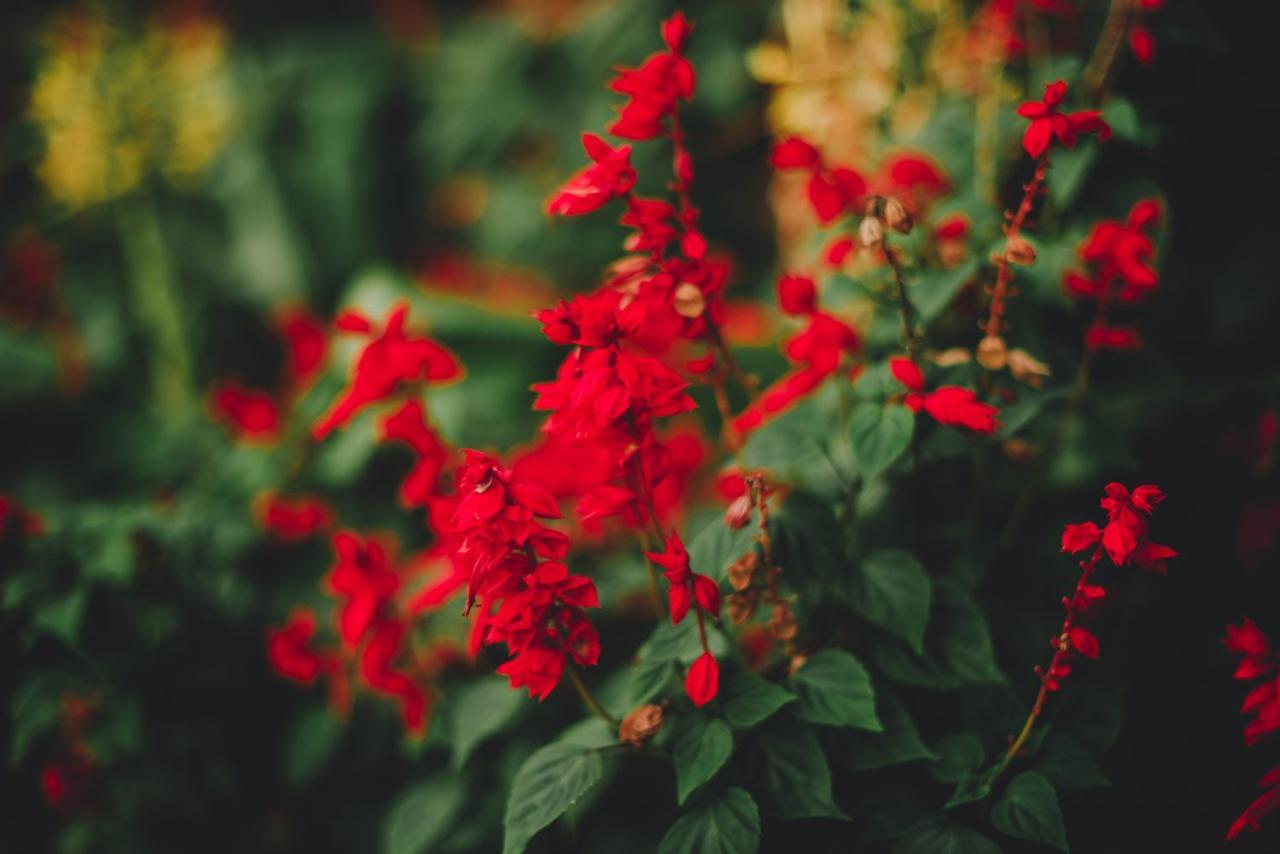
[(702, 682), (1125, 535), (1077, 538), (1048, 123), (1100, 337), (608, 177), (1253, 814), (364, 578), (1083, 641), (294, 518), (252, 414), (376, 670), (685, 586), (307, 345), (288, 648), (832, 191), (959, 407), (654, 88), (387, 361), (797, 294)]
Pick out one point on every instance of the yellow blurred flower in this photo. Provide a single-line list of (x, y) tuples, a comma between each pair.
[(115, 103)]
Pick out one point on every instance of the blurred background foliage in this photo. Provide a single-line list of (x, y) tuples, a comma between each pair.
[(172, 174)]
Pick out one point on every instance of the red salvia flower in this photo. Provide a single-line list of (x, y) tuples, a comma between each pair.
[(702, 682), (608, 177), (950, 405), (293, 518), (1050, 124), (251, 414), (307, 344), (1258, 661), (288, 648)]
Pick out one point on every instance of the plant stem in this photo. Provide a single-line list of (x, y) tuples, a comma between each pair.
[(1004, 271), (589, 699), (1098, 71), (911, 336)]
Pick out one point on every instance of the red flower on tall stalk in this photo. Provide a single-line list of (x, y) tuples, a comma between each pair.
[(1259, 662), (1049, 124)]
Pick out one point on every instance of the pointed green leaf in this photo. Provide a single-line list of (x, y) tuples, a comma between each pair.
[(1070, 765), (749, 699), (796, 776), (546, 785), (480, 709), (892, 590), (702, 744), (945, 840), (880, 434), (898, 743), (1029, 810), (956, 755), (422, 816), (717, 546), (724, 822), (834, 688)]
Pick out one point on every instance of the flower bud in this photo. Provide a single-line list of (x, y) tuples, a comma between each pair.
[(641, 724), (782, 622), (742, 570), (797, 661), (950, 356), (739, 512), (896, 216), (992, 353), (1027, 369), (1018, 251), (871, 232), (689, 301)]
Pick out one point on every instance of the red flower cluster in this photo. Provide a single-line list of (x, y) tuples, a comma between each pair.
[(654, 89), (1259, 661), (609, 176), (689, 589), (1049, 124), (950, 405), (1125, 535), (530, 601), (1118, 255), (817, 351)]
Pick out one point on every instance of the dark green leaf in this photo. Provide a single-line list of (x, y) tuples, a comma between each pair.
[(834, 688), (892, 590), (422, 816), (945, 840), (725, 821), (311, 744), (1070, 765), (701, 745), (1029, 809), (898, 743), (880, 434), (478, 710), (546, 785), (956, 755), (62, 618), (972, 786), (749, 699), (796, 776), (717, 546)]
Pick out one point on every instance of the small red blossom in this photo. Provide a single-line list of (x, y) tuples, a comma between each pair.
[(1259, 661), (288, 648), (251, 414), (1266, 803), (797, 294), (702, 682), (296, 518), (1077, 538), (609, 176), (1125, 534), (307, 345), (1049, 123)]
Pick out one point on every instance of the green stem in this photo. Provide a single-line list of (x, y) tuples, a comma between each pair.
[(589, 699)]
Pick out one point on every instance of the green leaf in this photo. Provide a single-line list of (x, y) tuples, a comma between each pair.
[(702, 744), (480, 709), (717, 546), (1070, 169), (1070, 765), (726, 821), (546, 785), (749, 699), (1014, 418), (972, 786), (796, 775), (311, 745), (892, 591), (956, 755), (62, 619), (958, 648), (945, 840), (880, 434), (834, 688), (422, 816), (1029, 810), (898, 743), (935, 289)]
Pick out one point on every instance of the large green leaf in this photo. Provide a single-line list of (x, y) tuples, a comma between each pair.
[(834, 688), (724, 821), (880, 434), (796, 776), (701, 745), (717, 546), (1070, 765), (478, 711), (957, 754), (1029, 810), (422, 816), (892, 590), (312, 744), (898, 743), (547, 784), (749, 699)]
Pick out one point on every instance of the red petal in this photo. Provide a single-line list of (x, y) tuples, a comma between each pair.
[(703, 681)]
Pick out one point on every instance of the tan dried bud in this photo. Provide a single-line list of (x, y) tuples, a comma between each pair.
[(739, 512), (782, 622), (952, 253), (949, 357), (641, 724), (742, 570), (1021, 451), (1027, 369), (689, 301), (740, 606), (1019, 251), (896, 216), (871, 232), (797, 661), (992, 353)]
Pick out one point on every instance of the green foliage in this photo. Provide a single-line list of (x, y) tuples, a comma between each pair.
[(749, 699), (422, 816), (892, 590), (1028, 809), (478, 711), (834, 688), (723, 821), (795, 775), (880, 434), (701, 745), (547, 784)]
